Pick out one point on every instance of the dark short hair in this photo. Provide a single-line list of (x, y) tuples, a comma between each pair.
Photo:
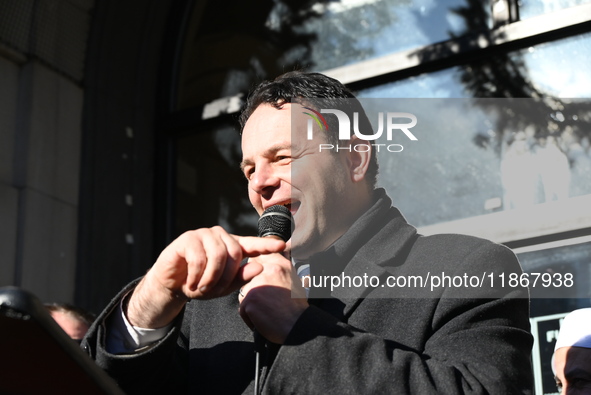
[(298, 86)]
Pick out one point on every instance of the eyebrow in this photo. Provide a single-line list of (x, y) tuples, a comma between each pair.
[(269, 152)]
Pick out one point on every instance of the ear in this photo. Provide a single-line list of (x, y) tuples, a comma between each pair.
[(359, 158)]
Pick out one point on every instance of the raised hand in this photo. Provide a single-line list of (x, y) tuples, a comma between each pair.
[(199, 264)]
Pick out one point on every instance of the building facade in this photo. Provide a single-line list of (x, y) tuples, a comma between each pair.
[(118, 128)]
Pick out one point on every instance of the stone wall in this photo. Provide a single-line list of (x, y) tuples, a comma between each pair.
[(42, 51)]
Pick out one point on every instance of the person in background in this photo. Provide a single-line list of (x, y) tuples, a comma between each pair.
[(74, 320), (571, 362)]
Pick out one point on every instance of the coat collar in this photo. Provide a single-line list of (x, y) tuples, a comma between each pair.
[(377, 240)]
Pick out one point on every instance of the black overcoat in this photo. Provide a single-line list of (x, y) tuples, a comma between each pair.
[(463, 338)]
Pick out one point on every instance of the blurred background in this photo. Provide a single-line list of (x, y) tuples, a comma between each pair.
[(118, 127)]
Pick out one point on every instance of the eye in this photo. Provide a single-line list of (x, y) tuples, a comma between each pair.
[(248, 172)]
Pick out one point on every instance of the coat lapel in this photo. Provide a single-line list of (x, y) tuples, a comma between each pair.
[(379, 239)]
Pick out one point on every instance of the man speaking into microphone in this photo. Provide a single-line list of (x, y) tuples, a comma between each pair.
[(202, 321)]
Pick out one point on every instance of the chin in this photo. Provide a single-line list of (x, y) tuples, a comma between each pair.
[(302, 249), (296, 248)]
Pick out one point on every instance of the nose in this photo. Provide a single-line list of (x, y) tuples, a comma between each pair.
[(264, 179)]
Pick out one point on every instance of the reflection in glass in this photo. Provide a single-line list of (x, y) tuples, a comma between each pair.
[(350, 31), (230, 45), (559, 260), (542, 157), (526, 168), (529, 8), (210, 188), (267, 38), (479, 156), (558, 68), (440, 84)]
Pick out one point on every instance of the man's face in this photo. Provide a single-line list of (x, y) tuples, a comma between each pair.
[(573, 370), (280, 170)]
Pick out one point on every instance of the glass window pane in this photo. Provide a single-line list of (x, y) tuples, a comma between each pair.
[(476, 157), (349, 31), (487, 163), (229, 46), (567, 262), (441, 84), (550, 69), (559, 68), (529, 8), (210, 188)]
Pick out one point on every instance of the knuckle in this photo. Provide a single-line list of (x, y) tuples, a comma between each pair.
[(218, 255), (274, 269), (199, 232), (195, 259), (182, 238), (191, 237), (198, 267), (218, 229), (234, 251), (247, 308)]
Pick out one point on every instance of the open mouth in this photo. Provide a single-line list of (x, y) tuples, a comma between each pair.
[(292, 207)]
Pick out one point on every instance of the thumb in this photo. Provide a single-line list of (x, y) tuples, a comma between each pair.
[(246, 273)]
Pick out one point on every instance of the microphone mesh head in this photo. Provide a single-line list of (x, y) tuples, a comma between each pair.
[(275, 221)]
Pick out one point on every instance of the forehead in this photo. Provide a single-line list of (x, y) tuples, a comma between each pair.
[(269, 126), (579, 356), (573, 362), (268, 121)]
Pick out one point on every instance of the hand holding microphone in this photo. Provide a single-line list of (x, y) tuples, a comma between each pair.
[(199, 264), (273, 300)]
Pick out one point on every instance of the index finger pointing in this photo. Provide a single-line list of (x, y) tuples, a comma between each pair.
[(255, 246)]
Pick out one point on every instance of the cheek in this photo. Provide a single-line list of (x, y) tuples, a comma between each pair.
[(298, 173), (286, 174)]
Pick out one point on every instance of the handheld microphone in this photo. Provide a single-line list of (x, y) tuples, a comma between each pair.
[(275, 222)]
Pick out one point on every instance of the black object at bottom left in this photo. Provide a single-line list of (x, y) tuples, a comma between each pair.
[(38, 356)]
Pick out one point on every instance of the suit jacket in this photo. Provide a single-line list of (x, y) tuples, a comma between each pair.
[(362, 339)]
